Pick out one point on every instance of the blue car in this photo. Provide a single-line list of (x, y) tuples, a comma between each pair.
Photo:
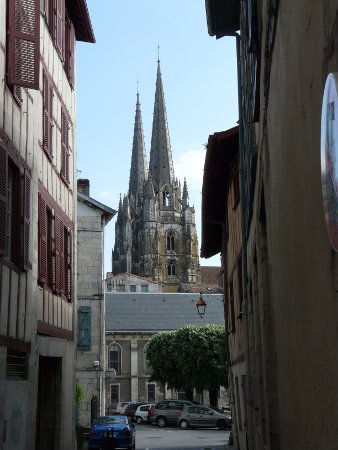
[(115, 429)]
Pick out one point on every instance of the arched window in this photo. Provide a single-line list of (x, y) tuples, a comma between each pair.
[(171, 269), (146, 361), (165, 197), (170, 242), (114, 357)]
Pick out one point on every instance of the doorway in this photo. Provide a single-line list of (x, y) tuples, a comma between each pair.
[(49, 404)]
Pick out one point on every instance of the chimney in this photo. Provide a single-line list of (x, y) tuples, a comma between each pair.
[(83, 186)]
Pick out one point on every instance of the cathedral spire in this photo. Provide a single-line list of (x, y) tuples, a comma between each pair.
[(185, 195), (161, 165), (138, 168)]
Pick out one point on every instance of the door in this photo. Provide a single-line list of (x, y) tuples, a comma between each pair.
[(49, 404)]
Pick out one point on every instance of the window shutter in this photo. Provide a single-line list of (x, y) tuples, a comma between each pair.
[(47, 116), (42, 240), (3, 200), (69, 266), (57, 254), (26, 220), (84, 337), (71, 55), (62, 258), (23, 43), (59, 24), (64, 147)]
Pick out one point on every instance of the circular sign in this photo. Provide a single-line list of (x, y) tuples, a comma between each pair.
[(329, 157)]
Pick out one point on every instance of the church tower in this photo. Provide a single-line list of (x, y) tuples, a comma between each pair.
[(155, 231)]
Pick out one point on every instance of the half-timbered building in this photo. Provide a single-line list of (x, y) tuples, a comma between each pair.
[(37, 220)]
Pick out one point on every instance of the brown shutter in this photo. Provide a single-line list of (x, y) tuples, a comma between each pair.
[(23, 43), (62, 258), (3, 200), (26, 219), (69, 266), (42, 240), (64, 147), (57, 255), (59, 25), (71, 73), (47, 116)]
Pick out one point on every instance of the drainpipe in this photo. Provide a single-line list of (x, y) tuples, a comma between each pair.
[(243, 202)]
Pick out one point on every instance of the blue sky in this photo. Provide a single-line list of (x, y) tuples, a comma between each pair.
[(200, 85)]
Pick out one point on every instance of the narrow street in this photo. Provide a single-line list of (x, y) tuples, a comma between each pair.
[(153, 438)]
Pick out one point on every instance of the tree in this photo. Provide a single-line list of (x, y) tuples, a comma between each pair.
[(191, 358)]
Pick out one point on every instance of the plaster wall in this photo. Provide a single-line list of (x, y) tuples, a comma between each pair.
[(301, 264)]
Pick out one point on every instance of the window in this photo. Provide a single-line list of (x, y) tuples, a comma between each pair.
[(64, 147), (144, 288), (55, 250), (23, 43), (132, 288), (109, 286), (170, 242), (171, 269), (146, 361), (121, 288), (114, 393), (114, 354), (84, 321), (15, 185), (48, 95), (16, 365), (62, 32), (151, 390), (165, 197)]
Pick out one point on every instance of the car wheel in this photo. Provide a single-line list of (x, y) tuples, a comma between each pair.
[(161, 422), (221, 424), (184, 425), (138, 419)]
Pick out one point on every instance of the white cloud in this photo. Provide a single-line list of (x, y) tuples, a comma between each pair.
[(190, 164)]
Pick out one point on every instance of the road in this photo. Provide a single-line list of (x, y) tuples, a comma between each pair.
[(150, 437)]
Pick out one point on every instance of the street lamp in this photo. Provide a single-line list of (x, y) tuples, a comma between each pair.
[(201, 305)]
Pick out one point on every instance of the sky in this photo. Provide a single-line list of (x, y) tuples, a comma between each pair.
[(200, 87)]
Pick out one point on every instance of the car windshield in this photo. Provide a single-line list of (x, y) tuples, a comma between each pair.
[(112, 419), (216, 409)]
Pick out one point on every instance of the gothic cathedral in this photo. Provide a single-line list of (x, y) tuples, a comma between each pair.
[(155, 231)]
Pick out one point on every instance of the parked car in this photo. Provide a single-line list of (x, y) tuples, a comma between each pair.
[(141, 414), (166, 412), (200, 416), (121, 407), (131, 409), (120, 430)]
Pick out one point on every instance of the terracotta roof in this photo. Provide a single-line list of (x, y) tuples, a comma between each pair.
[(210, 275)]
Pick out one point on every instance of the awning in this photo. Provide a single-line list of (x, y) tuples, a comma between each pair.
[(79, 15), (222, 17), (222, 149)]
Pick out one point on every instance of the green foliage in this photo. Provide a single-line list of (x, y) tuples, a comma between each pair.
[(79, 395), (192, 357)]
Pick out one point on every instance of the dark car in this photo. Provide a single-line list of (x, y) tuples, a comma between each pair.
[(131, 409), (117, 429), (166, 412), (200, 416)]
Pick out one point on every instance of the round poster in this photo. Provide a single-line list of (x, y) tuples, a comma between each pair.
[(329, 157)]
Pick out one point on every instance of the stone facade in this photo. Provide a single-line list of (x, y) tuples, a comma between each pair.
[(37, 222), (127, 282), (92, 217), (155, 231)]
